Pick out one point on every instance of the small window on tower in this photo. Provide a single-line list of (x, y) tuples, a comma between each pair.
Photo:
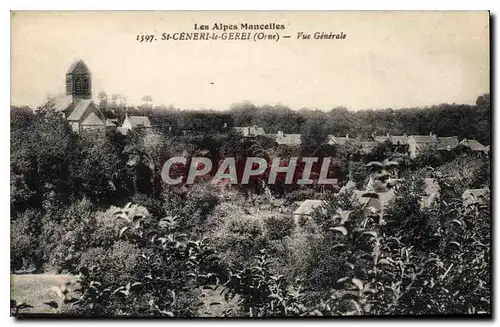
[(85, 85), (78, 85)]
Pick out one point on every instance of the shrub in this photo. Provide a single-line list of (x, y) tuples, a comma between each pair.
[(23, 241), (278, 226), (160, 271)]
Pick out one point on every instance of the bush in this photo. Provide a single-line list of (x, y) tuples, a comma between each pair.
[(118, 265), (148, 271), (279, 226), (23, 241), (237, 235)]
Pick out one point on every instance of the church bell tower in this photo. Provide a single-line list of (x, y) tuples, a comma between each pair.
[(78, 81)]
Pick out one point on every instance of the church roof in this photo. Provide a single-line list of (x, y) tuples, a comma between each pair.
[(92, 120), (78, 67), (80, 108)]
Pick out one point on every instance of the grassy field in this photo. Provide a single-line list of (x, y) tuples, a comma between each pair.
[(35, 289)]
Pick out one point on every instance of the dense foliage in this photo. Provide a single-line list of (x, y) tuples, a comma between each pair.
[(94, 205)]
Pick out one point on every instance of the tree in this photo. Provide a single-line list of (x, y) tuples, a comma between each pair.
[(103, 100), (313, 135), (147, 99), (483, 100), (39, 156), (96, 169)]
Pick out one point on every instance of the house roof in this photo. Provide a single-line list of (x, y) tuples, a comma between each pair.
[(423, 138), (399, 139), (250, 130), (341, 140), (93, 120), (289, 139), (473, 144), (395, 139), (445, 143), (139, 121), (78, 67), (80, 108), (380, 139), (239, 129), (308, 206)]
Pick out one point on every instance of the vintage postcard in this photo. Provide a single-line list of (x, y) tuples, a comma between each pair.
[(243, 164)]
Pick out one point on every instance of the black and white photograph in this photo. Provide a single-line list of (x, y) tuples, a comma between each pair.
[(250, 164)]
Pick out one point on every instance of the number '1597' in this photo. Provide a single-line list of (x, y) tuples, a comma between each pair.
[(146, 38)]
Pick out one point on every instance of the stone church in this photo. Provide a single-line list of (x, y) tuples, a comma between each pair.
[(77, 105)]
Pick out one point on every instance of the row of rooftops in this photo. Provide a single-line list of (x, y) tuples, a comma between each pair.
[(441, 142)]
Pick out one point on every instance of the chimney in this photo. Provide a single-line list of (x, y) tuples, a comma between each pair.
[(347, 136), (280, 133), (388, 135)]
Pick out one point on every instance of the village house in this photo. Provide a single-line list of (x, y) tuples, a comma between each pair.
[(474, 145), (306, 210), (417, 144), (133, 123), (399, 142), (288, 139), (396, 140), (338, 140), (447, 143), (249, 131), (77, 105)]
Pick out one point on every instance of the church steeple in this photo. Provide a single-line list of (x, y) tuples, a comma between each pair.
[(78, 81)]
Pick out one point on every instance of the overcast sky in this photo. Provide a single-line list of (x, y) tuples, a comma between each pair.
[(391, 59)]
